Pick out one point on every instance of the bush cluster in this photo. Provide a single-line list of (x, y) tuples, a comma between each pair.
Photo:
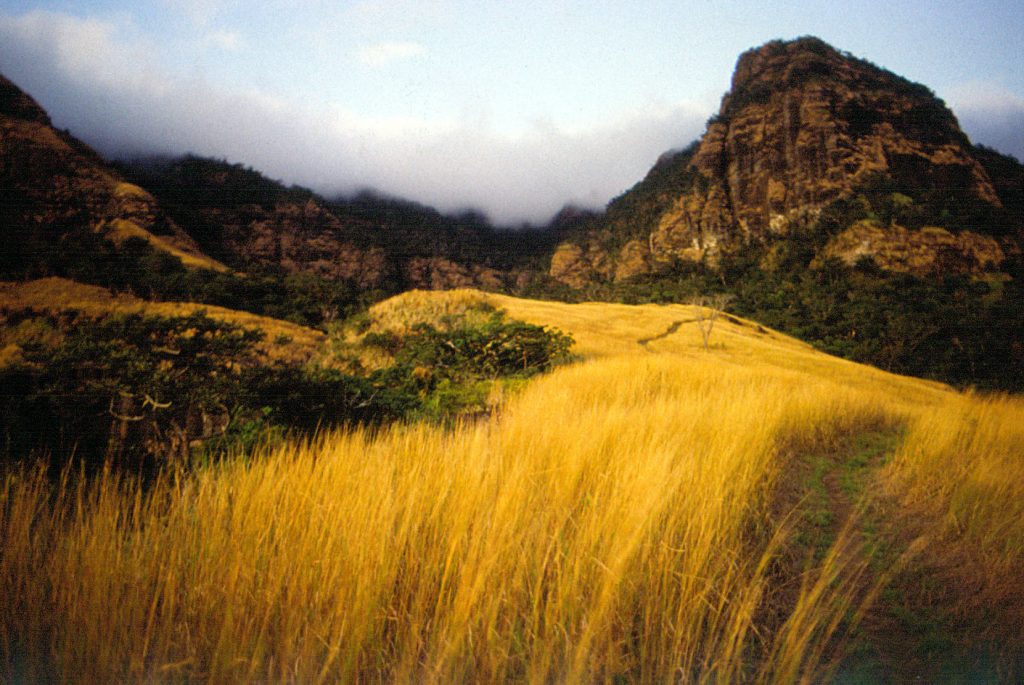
[(139, 390), (494, 349)]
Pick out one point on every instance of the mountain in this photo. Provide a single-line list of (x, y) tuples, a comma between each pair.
[(829, 198), (57, 192), (52, 187), (250, 221), (805, 126)]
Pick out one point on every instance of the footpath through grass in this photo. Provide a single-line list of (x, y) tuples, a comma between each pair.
[(914, 627)]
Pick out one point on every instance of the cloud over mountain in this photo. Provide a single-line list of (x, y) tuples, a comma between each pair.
[(106, 81), (991, 115), (115, 96)]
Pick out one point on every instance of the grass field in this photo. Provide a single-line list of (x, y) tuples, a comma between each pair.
[(655, 512)]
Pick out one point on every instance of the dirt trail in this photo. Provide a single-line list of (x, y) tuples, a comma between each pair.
[(908, 634), (668, 331)]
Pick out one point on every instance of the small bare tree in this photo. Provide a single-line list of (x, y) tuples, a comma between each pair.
[(706, 309)]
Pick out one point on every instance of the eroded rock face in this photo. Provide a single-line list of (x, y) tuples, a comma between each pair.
[(437, 273), (298, 237), (805, 124), (577, 266), (930, 251), (693, 226), (634, 260), (802, 125)]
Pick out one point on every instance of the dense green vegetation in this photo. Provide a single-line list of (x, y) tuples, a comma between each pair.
[(133, 389), (452, 366), (954, 328), (141, 390)]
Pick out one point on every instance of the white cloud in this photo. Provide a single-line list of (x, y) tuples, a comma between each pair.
[(229, 41), (400, 14), (108, 93), (382, 54), (984, 95), (200, 12)]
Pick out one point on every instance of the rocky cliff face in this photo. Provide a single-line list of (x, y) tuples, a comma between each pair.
[(53, 184), (250, 221), (802, 125)]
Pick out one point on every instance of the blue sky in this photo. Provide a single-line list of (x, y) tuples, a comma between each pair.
[(515, 108)]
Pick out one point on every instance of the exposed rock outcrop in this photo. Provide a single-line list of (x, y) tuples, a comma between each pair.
[(577, 265), (298, 236), (252, 222), (802, 126), (930, 251), (805, 124), (437, 273)]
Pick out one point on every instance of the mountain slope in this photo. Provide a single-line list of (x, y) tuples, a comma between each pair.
[(803, 126), (53, 185), (208, 213), (250, 221)]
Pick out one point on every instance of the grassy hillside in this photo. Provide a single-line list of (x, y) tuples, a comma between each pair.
[(756, 511), (282, 340)]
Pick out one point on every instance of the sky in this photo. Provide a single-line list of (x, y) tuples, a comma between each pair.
[(513, 108)]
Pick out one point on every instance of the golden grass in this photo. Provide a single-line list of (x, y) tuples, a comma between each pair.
[(119, 230), (399, 314), (962, 467), (614, 520), (282, 340)]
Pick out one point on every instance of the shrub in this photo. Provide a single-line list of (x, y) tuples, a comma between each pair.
[(496, 348)]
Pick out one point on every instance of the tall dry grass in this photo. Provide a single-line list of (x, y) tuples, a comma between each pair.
[(961, 470), (283, 340), (626, 536)]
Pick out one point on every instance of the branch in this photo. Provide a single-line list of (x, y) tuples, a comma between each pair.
[(366, 403), (123, 417), (167, 350), (154, 403)]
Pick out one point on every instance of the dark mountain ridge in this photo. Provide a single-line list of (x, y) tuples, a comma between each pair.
[(64, 208), (53, 185), (375, 241)]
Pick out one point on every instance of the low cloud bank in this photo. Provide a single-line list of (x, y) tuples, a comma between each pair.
[(118, 100), (991, 115)]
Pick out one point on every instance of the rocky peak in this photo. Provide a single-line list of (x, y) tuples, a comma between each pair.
[(803, 125)]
